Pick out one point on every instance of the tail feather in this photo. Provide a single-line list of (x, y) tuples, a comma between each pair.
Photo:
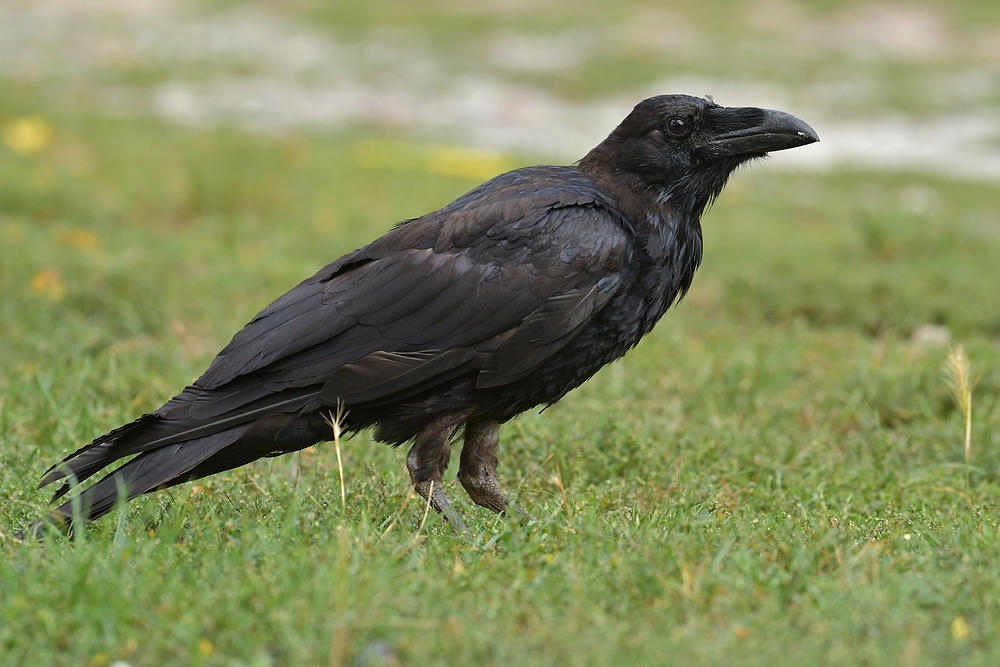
[(153, 431), (147, 472), (73, 463)]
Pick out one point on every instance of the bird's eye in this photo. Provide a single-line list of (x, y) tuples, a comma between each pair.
[(677, 126)]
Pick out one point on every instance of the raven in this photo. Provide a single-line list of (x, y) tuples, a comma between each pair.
[(456, 321)]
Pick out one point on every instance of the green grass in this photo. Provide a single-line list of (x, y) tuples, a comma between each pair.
[(776, 475)]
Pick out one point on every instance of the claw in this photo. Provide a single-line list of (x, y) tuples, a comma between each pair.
[(440, 503)]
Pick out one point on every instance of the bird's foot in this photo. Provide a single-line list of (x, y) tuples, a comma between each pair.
[(478, 472), (440, 503), (485, 492)]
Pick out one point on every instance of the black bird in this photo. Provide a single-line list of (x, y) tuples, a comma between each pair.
[(457, 321)]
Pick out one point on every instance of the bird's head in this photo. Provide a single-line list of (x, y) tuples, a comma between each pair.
[(684, 145)]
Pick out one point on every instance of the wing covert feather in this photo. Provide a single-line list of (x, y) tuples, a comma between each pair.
[(517, 261)]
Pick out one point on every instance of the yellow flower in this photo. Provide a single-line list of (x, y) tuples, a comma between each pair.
[(27, 135), (959, 629), (99, 660), (49, 283), (444, 160), (472, 163)]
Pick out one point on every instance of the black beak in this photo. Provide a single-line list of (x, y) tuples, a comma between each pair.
[(762, 131)]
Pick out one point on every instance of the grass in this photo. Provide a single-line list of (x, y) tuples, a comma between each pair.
[(778, 474)]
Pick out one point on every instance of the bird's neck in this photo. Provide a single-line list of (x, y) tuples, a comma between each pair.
[(666, 220)]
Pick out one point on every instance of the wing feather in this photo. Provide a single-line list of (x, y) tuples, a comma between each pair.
[(516, 262), (383, 374), (543, 333)]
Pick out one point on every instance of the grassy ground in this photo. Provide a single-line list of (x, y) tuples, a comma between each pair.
[(776, 475)]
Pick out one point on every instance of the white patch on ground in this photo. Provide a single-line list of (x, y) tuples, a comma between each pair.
[(472, 110), (931, 335), (268, 73), (869, 30), (899, 30), (543, 52)]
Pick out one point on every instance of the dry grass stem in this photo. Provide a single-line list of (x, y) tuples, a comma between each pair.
[(959, 378), (558, 483), (335, 420), (420, 529), (338, 646), (255, 484), (427, 508)]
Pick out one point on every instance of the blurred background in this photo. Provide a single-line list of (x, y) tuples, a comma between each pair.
[(891, 85), (167, 167)]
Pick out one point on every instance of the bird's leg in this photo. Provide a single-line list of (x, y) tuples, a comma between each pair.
[(478, 469), (427, 461)]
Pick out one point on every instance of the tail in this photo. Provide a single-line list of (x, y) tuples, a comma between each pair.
[(181, 441), (151, 470)]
